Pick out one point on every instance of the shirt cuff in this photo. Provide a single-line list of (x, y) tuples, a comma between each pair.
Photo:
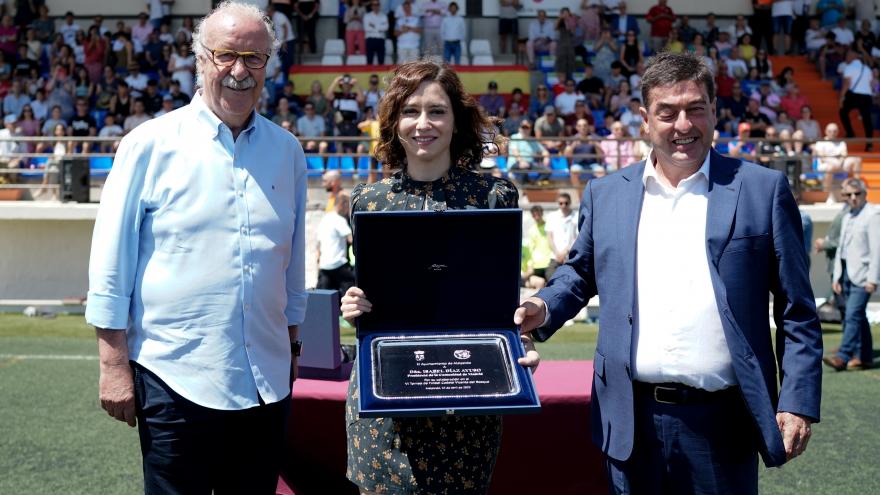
[(107, 311), (546, 315)]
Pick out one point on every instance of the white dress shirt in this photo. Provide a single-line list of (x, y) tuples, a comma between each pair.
[(375, 25), (198, 254), (452, 28), (333, 232), (677, 335)]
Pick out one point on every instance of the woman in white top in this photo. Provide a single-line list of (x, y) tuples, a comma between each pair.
[(807, 124), (181, 67)]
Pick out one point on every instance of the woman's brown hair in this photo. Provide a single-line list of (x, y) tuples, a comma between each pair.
[(472, 128)]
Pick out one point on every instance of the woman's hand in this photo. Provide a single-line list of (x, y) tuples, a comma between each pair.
[(354, 304)]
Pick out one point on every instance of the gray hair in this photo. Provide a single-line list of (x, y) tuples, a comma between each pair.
[(854, 183), (230, 7), (668, 68)]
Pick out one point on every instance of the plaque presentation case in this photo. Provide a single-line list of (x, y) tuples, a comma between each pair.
[(440, 338)]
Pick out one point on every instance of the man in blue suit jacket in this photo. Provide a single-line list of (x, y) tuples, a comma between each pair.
[(683, 250), (621, 23)]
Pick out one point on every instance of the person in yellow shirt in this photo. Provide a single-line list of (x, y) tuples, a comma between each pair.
[(540, 252)]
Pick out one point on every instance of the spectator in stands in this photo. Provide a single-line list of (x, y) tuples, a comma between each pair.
[(28, 125), (686, 32), (736, 66), (583, 153), (763, 64), (743, 146), (508, 24), (121, 102), (152, 57), (110, 130), (661, 18), (539, 101), (137, 80), (39, 105), (617, 149), (782, 13), (514, 118), (167, 106), (673, 42), (8, 148), (8, 37), (177, 96), (152, 98), (181, 67), (375, 29), (618, 99), (792, 141), (542, 37), (345, 96), (631, 117), (138, 116), (310, 127), (758, 120), (830, 57), (409, 34), (69, 29), (630, 53), (308, 12), (814, 38), (590, 23), (44, 26), (491, 101), (60, 92), (452, 30), (580, 112), (140, 32), (832, 157), (769, 148), (842, 33), (15, 99), (622, 23), (548, 127), (355, 35), (526, 154), (82, 124), (432, 12), (373, 94), (96, 50), (793, 101), (856, 93), (592, 87), (122, 52), (565, 101), (807, 124), (865, 40), (566, 40), (830, 11), (606, 53), (747, 50)]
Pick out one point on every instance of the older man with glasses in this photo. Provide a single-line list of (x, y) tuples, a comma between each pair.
[(196, 278), (856, 275)]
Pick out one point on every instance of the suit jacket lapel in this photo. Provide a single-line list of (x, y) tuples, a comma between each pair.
[(629, 209), (724, 185)]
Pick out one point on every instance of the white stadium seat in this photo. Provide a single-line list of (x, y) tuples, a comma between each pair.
[(483, 60), (334, 47), (480, 47), (331, 60), (356, 60)]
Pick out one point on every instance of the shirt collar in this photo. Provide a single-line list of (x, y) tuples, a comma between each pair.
[(209, 121), (650, 170)]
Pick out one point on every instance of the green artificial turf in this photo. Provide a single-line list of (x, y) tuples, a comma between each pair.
[(54, 438)]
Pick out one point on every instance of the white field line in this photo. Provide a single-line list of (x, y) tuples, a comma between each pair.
[(55, 357)]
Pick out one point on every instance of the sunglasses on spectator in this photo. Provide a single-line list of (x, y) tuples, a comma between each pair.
[(852, 194)]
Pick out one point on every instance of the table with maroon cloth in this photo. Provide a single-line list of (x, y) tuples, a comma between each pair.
[(546, 453)]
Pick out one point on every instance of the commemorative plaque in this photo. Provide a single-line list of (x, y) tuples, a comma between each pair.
[(440, 338)]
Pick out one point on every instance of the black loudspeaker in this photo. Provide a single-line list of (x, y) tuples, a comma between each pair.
[(75, 180), (791, 167)]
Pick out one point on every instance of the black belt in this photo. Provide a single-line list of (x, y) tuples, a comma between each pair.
[(679, 394)]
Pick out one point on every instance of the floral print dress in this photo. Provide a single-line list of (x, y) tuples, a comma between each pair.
[(443, 455)]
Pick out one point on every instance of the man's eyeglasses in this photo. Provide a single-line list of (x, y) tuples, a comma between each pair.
[(852, 194), (227, 58), (564, 203)]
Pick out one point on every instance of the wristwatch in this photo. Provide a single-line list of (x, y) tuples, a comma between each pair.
[(296, 348)]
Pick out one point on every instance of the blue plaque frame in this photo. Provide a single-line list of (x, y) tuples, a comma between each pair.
[(459, 280)]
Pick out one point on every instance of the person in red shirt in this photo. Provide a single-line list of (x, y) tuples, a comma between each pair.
[(793, 101), (661, 17)]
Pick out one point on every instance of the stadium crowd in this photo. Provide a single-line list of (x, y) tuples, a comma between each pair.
[(62, 77)]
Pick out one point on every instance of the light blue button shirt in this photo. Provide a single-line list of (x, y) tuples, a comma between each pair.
[(199, 252)]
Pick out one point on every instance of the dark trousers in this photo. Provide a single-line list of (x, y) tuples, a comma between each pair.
[(190, 449), (341, 279), (863, 104), (856, 341), (701, 448), (376, 49)]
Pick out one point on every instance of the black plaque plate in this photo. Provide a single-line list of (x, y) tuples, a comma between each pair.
[(472, 365)]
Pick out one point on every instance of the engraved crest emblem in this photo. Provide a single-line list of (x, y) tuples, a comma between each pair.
[(462, 354), (420, 355)]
